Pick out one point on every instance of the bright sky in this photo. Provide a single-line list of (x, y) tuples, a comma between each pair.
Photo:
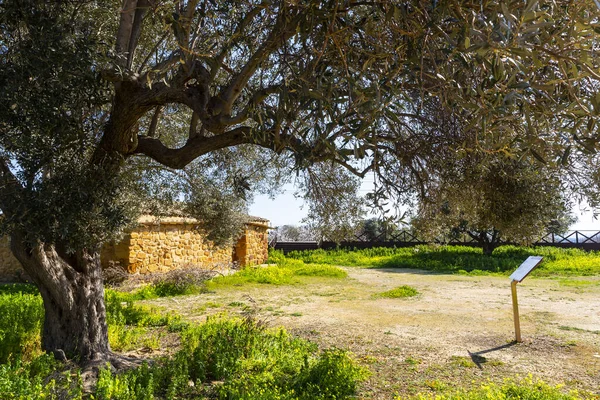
[(285, 209)]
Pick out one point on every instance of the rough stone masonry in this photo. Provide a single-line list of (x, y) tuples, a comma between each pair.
[(166, 243)]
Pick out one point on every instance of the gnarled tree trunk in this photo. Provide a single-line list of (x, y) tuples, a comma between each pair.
[(71, 286)]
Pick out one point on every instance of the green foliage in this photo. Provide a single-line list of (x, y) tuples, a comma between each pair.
[(247, 361), (121, 310), (22, 318), (524, 389), (460, 259), (20, 325), (334, 206), (286, 272), (30, 380), (13, 288), (490, 198), (399, 292), (165, 289)]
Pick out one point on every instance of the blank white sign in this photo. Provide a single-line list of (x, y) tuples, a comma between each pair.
[(525, 268)]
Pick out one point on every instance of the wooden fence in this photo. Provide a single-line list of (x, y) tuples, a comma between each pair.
[(585, 240)]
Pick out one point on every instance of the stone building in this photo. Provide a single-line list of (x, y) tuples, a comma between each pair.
[(160, 245)]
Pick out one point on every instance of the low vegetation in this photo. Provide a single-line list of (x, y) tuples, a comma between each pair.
[(459, 259), (222, 358), (526, 389), (286, 271), (399, 292), (239, 357)]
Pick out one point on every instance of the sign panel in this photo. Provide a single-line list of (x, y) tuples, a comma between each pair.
[(525, 268)]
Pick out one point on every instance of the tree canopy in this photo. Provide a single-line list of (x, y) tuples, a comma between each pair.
[(110, 108), (496, 200)]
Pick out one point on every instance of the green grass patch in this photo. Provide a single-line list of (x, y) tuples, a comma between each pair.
[(397, 293), (20, 325), (23, 314), (286, 272), (524, 389), (458, 259), (15, 288), (162, 289)]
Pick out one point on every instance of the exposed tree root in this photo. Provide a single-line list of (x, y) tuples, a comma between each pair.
[(116, 362)]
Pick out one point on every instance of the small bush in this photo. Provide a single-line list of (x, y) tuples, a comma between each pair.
[(14, 288), (29, 380), (178, 282), (399, 292)]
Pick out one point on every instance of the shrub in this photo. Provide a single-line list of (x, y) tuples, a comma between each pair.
[(114, 274), (177, 282), (248, 362)]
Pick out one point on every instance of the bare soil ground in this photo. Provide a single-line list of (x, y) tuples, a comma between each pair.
[(458, 332)]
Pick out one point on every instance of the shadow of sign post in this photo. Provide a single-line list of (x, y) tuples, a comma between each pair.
[(516, 277)]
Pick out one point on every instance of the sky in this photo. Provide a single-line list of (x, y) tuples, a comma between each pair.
[(286, 209)]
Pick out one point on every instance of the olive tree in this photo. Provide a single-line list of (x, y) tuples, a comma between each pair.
[(105, 103), (493, 201)]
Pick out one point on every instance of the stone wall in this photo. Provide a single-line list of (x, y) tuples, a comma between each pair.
[(10, 267), (165, 244), (253, 247), (169, 243)]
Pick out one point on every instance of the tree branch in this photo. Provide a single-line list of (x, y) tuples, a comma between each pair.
[(128, 11), (194, 148), (154, 122), (258, 97), (281, 32), (193, 132), (218, 60), (353, 170), (142, 7)]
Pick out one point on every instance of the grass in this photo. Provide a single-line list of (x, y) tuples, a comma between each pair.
[(397, 293), (524, 389), (222, 358), (163, 289), (20, 325), (240, 358), (286, 272), (575, 329), (460, 259)]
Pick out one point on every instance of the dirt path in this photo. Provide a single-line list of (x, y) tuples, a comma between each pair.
[(456, 332)]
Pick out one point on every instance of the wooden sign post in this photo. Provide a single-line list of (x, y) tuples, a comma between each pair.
[(516, 277)]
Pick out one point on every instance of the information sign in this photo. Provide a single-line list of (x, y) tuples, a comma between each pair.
[(516, 277), (525, 268)]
